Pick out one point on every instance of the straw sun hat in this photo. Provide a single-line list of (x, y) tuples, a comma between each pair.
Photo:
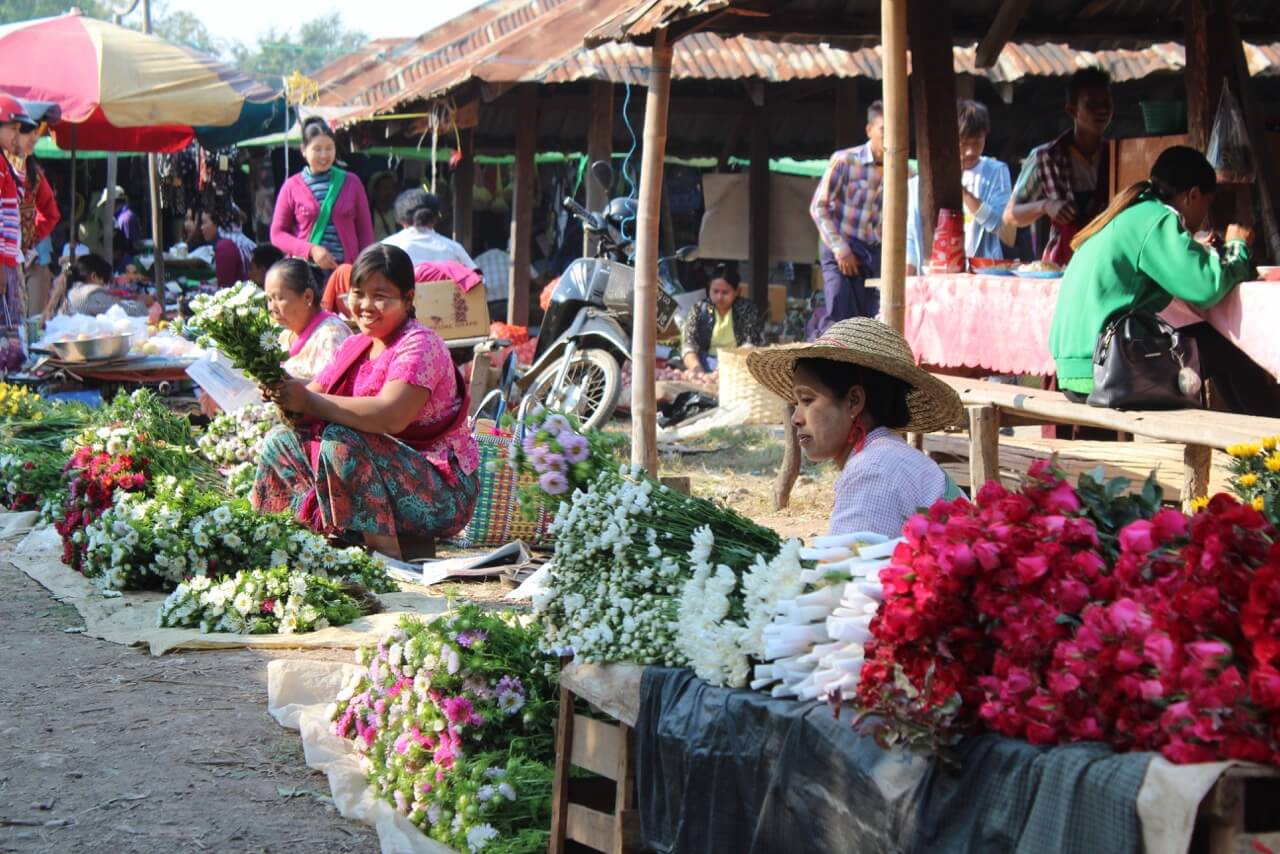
[(933, 404)]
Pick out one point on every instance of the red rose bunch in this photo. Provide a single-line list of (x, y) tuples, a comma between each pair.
[(92, 479)]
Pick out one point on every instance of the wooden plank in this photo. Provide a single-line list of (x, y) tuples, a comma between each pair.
[(644, 410), (933, 97), (464, 186), (790, 468), (599, 147), (560, 782), (626, 819), (893, 270), (984, 445), (596, 746), (758, 208), (1134, 460), (1183, 426), (1197, 464), (1002, 29), (589, 827), (522, 204)]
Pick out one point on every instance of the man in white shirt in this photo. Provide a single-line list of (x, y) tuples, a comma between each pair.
[(418, 211), (495, 266)]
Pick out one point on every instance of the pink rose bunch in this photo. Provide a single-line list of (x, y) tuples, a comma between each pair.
[(1009, 614)]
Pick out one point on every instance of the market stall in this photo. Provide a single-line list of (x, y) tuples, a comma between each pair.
[(963, 321)]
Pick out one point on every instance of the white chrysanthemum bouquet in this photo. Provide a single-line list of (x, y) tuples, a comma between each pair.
[(236, 437), (235, 321)]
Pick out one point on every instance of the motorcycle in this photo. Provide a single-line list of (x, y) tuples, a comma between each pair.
[(585, 337)]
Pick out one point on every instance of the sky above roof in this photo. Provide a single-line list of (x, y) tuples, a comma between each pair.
[(245, 20)]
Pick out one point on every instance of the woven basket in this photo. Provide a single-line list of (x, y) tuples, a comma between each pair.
[(498, 519), (741, 393)]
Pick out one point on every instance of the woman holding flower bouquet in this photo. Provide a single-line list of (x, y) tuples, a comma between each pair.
[(311, 335), (853, 389), (384, 448)]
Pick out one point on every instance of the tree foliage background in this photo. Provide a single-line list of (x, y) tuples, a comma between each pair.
[(275, 54)]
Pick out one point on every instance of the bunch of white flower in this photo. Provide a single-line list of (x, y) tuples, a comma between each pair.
[(235, 438), (257, 602), (235, 321), (815, 642)]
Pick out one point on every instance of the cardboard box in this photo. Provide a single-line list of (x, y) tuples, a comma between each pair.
[(444, 307)]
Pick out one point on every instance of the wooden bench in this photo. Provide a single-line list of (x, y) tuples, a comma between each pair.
[(991, 406)]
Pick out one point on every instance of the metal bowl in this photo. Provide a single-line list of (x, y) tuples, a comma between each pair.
[(93, 349)]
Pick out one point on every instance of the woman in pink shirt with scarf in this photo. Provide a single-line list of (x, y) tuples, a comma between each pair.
[(322, 213), (384, 448), (311, 335)]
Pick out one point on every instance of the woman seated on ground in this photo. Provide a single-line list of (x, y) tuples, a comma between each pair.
[(311, 335), (88, 294), (385, 450), (723, 319), (852, 388), (1138, 255)]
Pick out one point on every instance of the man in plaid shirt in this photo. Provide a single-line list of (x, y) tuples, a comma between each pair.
[(1066, 179), (846, 208)]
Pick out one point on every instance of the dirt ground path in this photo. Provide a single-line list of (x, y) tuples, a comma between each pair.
[(107, 749)]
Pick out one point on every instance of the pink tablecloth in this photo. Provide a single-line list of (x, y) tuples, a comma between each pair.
[(1001, 323)]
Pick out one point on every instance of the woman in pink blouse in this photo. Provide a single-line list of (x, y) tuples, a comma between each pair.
[(384, 449)]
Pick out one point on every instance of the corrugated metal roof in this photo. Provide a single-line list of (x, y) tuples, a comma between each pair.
[(855, 23), (538, 41)]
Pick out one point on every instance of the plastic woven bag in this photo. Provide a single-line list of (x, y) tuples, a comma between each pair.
[(1230, 152), (498, 518)]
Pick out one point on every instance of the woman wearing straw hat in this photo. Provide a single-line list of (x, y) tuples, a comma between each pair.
[(852, 388)]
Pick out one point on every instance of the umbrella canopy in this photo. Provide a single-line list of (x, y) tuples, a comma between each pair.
[(128, 91)]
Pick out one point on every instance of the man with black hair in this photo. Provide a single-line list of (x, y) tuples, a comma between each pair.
[(984, 185), (847, 210), (1066, 179), (260, 260)]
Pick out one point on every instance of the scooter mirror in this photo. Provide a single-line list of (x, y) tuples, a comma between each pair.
[(687, 253), (602, 172)]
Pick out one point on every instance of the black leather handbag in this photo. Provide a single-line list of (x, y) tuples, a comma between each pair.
[(1141, 362)]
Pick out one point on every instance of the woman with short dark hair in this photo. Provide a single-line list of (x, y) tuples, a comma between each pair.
[(311, 335), (385, 449), (418, 213), (722, 320)]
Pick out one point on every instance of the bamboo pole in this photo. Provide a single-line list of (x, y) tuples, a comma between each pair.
[(893, 270), (644, 408)]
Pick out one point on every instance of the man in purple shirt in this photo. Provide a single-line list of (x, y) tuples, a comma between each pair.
[(847, 208)]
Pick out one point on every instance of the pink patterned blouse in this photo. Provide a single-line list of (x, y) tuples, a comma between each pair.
[(419, 357)]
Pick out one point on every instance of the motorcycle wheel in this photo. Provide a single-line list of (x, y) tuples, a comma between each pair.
[(591, 388)]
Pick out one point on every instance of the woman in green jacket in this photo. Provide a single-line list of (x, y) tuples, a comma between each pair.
[(1138, 255)]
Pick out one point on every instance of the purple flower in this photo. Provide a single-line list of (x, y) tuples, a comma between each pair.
[(575, 447), (557, 424), (553, 483), (471, 636), (554, 462), (457, 709), (509, 683)]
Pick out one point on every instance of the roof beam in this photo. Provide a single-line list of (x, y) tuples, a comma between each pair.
[(1002, 29)]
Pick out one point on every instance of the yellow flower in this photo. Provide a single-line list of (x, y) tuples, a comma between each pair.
[(1258, 503), (1273, 462), (1248, 479), (1270, 442), (1198, 504), (1236, 451)]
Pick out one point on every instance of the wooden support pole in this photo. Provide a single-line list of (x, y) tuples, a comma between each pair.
[(522, 204), (599, 147), (790, 469), (644, 408), (758, 208), (1002, 29), (1266, 183), (933, 94), (1208, 61), (1197, 466), (626, 819), (464, 190), (849, 117), (893, 35), (560, 782), (984, 446)]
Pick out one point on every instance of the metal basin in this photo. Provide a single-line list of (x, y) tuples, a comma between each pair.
[(93, 349)]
